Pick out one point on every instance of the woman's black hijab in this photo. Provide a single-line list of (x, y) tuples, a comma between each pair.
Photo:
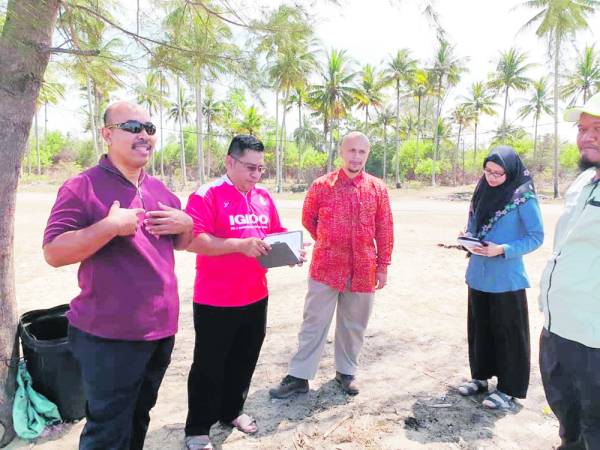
[(487, 200)]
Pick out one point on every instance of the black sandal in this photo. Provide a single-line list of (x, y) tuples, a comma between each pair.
[(473, 387)]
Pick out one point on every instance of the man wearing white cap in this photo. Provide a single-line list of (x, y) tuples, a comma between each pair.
[(570, 297)]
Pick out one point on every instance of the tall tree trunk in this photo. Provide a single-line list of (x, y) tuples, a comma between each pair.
[(98, 100), (208, 147), (153, 166), (398, 183), (463, 162), (384, 168), (535, 129), (181, 141), (456, 154), (436, 119), (28, 29), (162, 132), (504, 114), (299, 140), (88, 83), (277, 168), (45, 121), (475, 144), (331, 152), (38, 159), (556, 94), (199, 126), (418, 134), (282, 141)]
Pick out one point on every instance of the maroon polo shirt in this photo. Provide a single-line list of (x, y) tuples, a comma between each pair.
[(128, 287)]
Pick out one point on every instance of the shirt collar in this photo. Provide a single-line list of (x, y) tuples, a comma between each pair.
[(341, 177), (107, 164)]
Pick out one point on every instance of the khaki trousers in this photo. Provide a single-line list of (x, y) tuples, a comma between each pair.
[(353, 312)]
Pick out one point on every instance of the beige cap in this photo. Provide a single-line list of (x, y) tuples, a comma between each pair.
[(591, 107)]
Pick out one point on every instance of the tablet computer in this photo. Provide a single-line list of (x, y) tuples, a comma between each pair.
[(470, 242)]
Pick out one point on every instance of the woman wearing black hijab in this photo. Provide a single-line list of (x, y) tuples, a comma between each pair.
[(505, 216)]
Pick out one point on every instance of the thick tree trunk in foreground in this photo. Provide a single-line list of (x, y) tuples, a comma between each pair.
[(28, 30)]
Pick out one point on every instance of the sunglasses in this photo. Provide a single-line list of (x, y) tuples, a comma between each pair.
[(135, 127), (250, 167)]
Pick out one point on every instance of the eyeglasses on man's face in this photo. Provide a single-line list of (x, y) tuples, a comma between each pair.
[(494, 174), (250, 167), (134, 127)]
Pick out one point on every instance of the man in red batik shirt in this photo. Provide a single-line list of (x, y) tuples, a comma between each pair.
[(348, 214)]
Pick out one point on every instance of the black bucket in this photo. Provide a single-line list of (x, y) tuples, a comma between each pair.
[(54, 370)]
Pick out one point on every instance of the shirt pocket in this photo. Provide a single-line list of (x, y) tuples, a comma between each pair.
[(590, 217), (366, 217)]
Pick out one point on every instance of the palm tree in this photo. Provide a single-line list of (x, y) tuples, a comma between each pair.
[(420, 88), (408, 124), (462, 116), (559, 19), (510, 74), (180, 112), (335, 94), (211, 109), (481, 101), (305, 134), (158, 77), (537, 104), (251, 122), (148, 94), (290, 69), (446, 71), (369, 91), (400, 71), (299, 98), (50, 92), (384, 118), (585, 78), (189, 25), (286, 38), (97, 75), (233, 106)]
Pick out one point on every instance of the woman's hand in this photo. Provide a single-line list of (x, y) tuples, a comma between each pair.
[(490, 250)]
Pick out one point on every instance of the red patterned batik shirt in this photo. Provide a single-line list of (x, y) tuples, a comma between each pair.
[(351, 223)]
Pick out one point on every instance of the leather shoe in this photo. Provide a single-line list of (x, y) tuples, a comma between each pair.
[(347, 382)]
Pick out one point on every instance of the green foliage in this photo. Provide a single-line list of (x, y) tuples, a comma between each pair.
[(569, 156), (86, 155), (313, 159), (411, 153), (522, 145), (424, 167)]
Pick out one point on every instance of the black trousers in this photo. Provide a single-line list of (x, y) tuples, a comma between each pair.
[(498, 333), (228, 342), (120, 381), (571, 376)]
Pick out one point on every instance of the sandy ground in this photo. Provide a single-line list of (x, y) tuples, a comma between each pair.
[(415, 351)]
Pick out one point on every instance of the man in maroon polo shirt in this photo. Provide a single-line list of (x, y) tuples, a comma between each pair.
[(122, 226)]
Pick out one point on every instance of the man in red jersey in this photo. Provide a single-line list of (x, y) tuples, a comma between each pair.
[(231, 217)]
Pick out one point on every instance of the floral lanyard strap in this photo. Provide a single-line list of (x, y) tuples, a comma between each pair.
[(523, 193)]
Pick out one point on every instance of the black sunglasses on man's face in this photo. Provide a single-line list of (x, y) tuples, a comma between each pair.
[(135, 127)]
